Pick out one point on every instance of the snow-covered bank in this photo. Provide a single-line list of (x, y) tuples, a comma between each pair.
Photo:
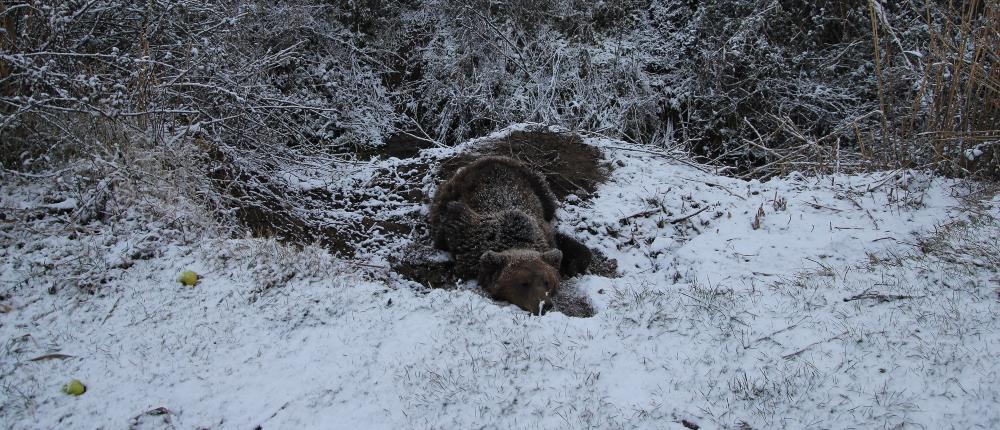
[(860, 301)]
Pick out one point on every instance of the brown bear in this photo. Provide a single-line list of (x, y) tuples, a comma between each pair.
[(496, 217)]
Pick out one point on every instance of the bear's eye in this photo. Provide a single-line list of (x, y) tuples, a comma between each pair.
[(525, 285)]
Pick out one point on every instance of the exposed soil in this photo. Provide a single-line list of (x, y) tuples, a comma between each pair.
[(602, 265), (400, 145), (572, 302), (417, 263)]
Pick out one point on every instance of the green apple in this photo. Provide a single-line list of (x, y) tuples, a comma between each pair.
[(74, 388), (188, 278)]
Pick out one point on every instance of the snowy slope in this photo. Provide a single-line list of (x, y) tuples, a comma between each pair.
[(713, 322)]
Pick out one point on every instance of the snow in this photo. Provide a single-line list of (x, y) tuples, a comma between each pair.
[(67, 204), (713, 321), (972, 153)]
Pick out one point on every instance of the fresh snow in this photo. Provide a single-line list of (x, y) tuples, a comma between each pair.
[(861, 301)]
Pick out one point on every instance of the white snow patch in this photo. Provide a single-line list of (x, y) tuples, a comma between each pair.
[(837, 311), (66, 204)]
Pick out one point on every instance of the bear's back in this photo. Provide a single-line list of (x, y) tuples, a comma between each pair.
[(497, 186)]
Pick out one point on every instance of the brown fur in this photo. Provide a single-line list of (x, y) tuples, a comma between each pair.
[(528, 279), (576, 257), (496, 217), (466, 182)]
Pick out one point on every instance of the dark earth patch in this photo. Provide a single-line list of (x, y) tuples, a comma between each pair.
[(417, 263), (399, 145), (571, 302)]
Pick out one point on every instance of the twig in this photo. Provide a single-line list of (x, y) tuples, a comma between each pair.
[(51, 357), (642, 214), (770, 336), (824, 266), (686, 217), (714, 185), (113, 307), (819, 206), (374, 266), (806, 348), (661, 154), (726, 190), (882, 298)]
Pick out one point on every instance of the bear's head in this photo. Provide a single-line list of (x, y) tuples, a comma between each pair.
[(522, 277)]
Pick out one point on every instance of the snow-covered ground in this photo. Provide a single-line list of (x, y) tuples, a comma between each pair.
[(865, 301)]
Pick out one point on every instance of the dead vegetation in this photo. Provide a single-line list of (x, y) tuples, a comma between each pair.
[(949, 121)]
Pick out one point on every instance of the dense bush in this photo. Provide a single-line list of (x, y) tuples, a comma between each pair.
[(761, 85)]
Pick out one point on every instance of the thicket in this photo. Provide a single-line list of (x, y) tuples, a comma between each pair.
[(256, 87)]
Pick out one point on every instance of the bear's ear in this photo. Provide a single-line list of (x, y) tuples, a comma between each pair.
[(490, 265), (553, 257)]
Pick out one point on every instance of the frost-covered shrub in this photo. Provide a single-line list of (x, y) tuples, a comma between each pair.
[(476, 65), (243, 74), (776, 67), (790, 84), (254, 87)]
